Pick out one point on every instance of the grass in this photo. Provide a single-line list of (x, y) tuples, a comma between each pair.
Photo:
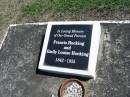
[(10, 11), (40, 6), (21, 11), (36, 7)]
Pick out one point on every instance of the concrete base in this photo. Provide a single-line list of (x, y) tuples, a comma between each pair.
[(20, 53)]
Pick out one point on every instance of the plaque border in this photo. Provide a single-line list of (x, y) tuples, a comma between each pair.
[(94, 46)]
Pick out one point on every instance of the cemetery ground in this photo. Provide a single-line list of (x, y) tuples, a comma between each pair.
[(28, 11), (21, 11), (112, 69)]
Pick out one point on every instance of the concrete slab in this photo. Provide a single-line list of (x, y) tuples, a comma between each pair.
[(113, 69), (20, 53), (18, 61)]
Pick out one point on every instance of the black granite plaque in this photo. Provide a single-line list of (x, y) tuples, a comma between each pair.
[(69, 46)]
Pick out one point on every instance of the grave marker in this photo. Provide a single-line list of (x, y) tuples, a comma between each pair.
[(70, 47)]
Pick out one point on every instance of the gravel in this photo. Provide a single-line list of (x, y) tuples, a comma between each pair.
[(73, 90)]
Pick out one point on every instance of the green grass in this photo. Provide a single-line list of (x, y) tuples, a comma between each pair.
[(40, 6), (36, 7)]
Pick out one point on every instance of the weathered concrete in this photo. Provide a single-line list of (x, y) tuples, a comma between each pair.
[(18, 61), (113, 69), (19, 57)]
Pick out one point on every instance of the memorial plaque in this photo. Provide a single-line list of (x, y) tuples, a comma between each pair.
[(67, 48)]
